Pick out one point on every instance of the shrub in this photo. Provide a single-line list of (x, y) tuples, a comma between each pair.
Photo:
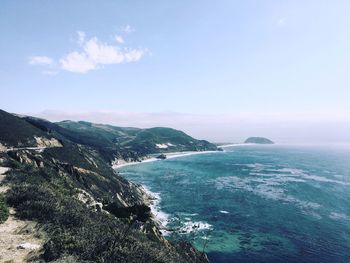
[(4, 212)]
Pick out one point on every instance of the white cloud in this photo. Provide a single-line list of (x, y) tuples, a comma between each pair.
[(119, 39), (93, 54), (101, 53), (77, 62), (40, 60), (96, 53), (134, 55)]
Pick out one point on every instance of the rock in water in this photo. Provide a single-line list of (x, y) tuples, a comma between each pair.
[(162, 156)]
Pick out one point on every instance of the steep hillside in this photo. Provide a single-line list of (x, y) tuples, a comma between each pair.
[(87, 211), (159, 139), (141, 141), (16, 132), (103, 140), (99, 135)]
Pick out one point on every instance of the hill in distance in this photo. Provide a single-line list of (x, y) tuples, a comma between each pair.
[(130, 144)]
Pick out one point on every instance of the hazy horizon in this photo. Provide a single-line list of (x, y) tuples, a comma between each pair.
[(221, 127)]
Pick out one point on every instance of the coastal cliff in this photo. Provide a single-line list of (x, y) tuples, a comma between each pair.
[(83, 210)]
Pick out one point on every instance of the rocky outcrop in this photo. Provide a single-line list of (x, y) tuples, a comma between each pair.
[(2, 148), (44, 142), (161, 156)]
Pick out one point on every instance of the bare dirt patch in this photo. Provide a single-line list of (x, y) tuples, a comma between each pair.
[(19, 240)]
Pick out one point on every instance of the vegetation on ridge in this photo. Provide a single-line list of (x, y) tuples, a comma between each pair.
[(126, 143), (17, 132)]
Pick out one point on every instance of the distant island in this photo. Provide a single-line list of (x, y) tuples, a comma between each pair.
[(258, 140)]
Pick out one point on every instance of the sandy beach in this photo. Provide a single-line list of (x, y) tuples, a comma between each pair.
[(168, 156)]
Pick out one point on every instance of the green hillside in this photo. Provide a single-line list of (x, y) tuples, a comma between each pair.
[(16, 132), (159, 139), (126, 142), (143, 141)]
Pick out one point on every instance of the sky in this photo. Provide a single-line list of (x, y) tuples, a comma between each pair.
[(220, 70)]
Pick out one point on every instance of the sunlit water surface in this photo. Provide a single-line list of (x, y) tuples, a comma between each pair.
[(256, 203)]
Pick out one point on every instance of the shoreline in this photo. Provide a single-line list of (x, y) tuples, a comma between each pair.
[(162, 219), (169, 155), (153, 199), (235, 144)]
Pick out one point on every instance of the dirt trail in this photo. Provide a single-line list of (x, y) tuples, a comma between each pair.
[(19, 240)]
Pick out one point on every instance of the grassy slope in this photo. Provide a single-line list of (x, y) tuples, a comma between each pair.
[(4, 212), (99, 135), (15, 131), (140, 141), (147, 139)]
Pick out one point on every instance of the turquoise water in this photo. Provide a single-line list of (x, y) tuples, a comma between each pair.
[(257, 203)]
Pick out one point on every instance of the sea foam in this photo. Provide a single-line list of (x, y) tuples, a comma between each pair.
[(161, 216)]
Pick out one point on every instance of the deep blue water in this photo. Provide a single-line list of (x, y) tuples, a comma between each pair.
[(257, 203)]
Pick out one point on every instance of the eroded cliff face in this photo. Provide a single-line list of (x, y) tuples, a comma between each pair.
[(45, 142), (2, 148), (90, 175)]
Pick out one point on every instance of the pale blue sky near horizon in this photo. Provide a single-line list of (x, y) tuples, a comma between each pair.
[(194, 57)]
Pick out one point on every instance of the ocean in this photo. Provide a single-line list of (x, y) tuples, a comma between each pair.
[(252, 203)]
